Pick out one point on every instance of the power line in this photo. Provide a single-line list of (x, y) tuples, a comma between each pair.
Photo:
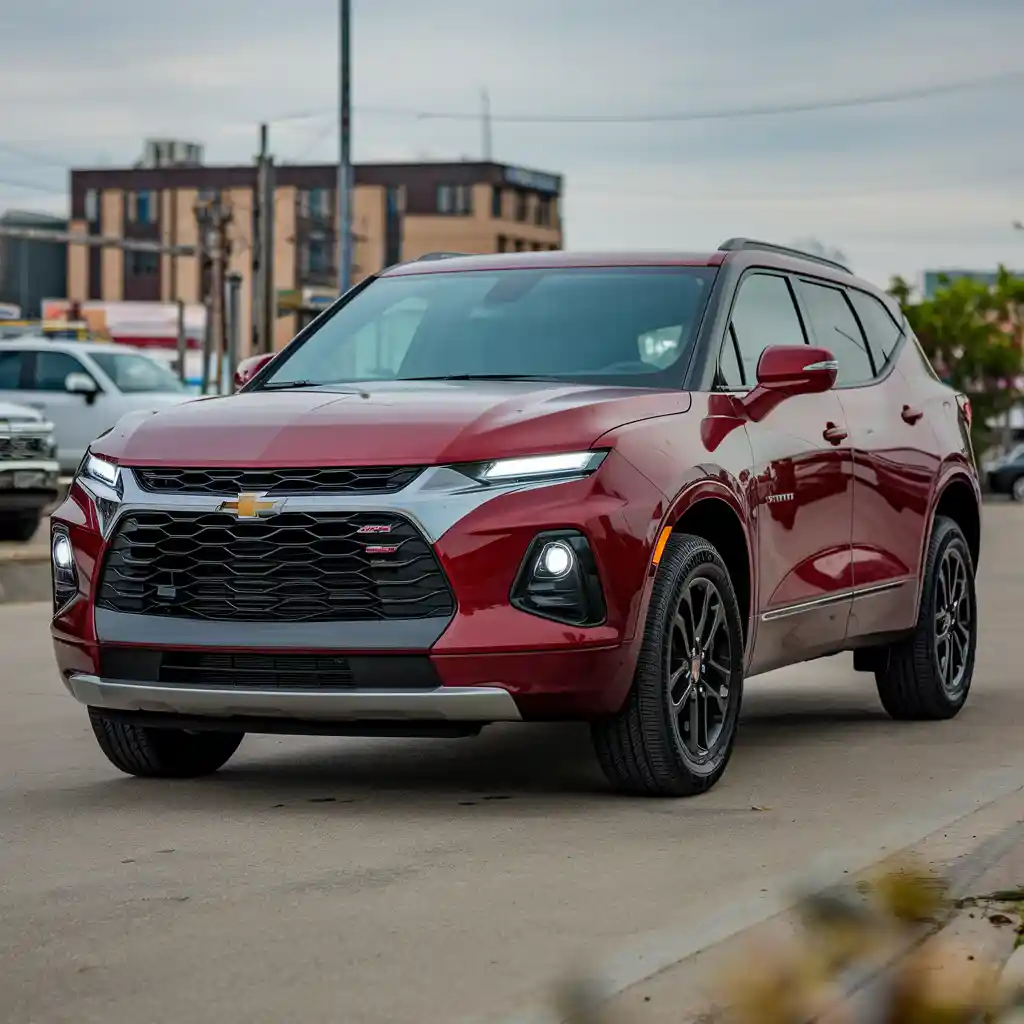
[(719, 114), (29, 157), (32, 186)]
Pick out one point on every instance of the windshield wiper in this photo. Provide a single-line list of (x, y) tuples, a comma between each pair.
[(482, 376), (285, 385)]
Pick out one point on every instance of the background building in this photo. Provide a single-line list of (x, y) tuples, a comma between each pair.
[(31, 271), (400, 211)]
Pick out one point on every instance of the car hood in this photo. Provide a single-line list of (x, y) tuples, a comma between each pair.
[(394, 423), (19, 413)]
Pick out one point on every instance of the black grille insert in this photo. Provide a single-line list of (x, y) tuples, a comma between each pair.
[(16, 447), (279, 482), (264, 670), (289, 567)]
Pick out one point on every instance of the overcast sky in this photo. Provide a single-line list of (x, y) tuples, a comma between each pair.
[(934, 181)]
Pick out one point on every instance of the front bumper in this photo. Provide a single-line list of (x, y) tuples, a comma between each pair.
[(445, 704), (28, 485), (490, 661)]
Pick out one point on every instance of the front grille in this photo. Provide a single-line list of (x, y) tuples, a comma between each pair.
[(278, 482), (15, 447), (289, 567), (261, 671)]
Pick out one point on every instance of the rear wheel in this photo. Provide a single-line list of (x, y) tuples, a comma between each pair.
[(19, 526), (161, 753), (1017, 489), (674, 735), (928, 675)]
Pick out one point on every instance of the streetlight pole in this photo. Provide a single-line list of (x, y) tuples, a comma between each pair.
[(345, 180)]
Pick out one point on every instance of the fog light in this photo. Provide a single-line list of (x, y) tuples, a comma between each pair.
[(558, 580), (556, 560), (65, 574), (63, 556)]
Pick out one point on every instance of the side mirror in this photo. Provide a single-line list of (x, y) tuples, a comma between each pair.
[(796, 369), (81, 384), (248, 368)]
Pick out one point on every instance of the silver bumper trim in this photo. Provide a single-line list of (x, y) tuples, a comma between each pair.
[(446, 704)]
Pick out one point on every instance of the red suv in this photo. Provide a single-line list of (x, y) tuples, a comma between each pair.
[(531, 487)]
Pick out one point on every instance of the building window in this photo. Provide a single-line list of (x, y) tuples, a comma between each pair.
[(315, 203), (497, 203), (144, 263), (141, 207), (315, 257), (502, 244), (92, 206), (542, 211), (522, 206), (454, 200), (519, 245)]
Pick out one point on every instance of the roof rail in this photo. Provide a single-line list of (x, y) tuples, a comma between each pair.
[(752, 244), (439, 256)]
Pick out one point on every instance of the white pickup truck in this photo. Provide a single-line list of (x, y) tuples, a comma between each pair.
[(29, 470)]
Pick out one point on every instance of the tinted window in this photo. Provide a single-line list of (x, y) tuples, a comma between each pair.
[(133, 373), (882, 331), (52, 369), (836, 328), (11, 364), (631, 326), (764, 315)]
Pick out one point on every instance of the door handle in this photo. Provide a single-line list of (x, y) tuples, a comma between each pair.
[(834, 434), (911, 415)]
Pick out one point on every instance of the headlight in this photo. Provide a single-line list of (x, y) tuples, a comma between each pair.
[(100, 471), (528, 468)]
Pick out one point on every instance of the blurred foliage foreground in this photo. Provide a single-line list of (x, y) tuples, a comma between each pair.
[(874, 956), (973, 334)]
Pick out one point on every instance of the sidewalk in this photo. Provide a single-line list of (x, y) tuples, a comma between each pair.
[(981, 854)]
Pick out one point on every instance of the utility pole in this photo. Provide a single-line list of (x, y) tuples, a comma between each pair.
[(345, 180), (264, 294), (213, 218), (233, 327), (182, 341), (485, 126)]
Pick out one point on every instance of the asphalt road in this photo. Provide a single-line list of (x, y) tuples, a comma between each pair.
[(366, 881)]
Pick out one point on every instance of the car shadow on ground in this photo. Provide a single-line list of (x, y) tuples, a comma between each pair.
[(528, 765)]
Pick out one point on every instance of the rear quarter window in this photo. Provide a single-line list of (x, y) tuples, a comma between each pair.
[(881, 330)]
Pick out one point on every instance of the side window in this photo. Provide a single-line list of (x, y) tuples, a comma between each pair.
[(52, 369), (11, 365), (764, 315), (881, 329), (836, 328)]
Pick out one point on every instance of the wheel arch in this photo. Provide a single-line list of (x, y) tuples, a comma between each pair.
[(957, 499), (714, 513)]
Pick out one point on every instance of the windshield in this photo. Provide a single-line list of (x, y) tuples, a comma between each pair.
[(630, 326), (132, 373)]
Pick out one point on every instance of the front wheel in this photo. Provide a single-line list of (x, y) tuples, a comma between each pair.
[(675, 734), (161, 753), (928, 675), (1017, 489)]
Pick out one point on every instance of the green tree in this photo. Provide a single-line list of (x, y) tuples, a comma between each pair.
[(973, 334)]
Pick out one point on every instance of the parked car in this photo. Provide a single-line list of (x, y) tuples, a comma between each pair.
[(1006, 475), (83, 387), (29, 472), (475, 492)]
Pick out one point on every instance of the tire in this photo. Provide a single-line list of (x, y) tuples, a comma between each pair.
[(917, 683), (1017, 489), (19, 526), (161, 753), (647, 748)]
